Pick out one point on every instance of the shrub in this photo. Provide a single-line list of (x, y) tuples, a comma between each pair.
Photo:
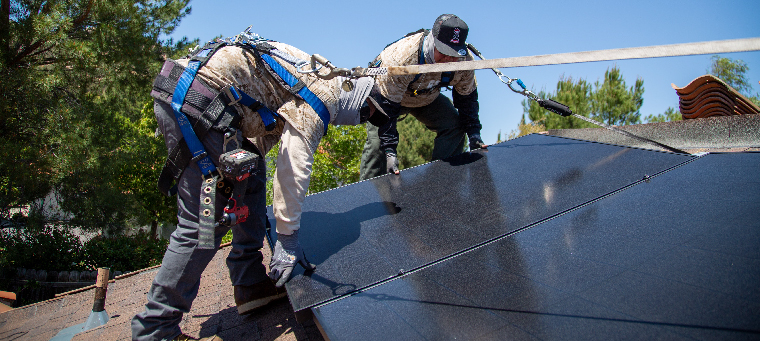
[(125, 253), (51, 248), (55, 248)]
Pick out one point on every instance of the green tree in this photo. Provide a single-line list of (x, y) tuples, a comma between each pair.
[(731, 71), (613, 103), (610, 102), (140, 159), (415, 145), (669, 115), (336, 162), (75, 77)]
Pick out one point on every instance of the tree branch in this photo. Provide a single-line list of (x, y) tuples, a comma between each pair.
[(80, 19), (25, 52)]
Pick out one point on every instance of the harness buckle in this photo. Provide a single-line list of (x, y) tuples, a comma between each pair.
[(199, 156), (231, 135), (214, 174), (230, 91)]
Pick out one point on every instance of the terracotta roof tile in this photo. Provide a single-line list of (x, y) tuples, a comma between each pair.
[(708, 96)]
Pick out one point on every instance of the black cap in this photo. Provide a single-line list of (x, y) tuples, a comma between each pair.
[(450, 34)]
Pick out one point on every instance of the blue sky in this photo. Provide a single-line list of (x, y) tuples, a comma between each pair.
[(351, 33)]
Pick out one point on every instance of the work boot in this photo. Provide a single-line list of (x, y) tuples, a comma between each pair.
[(250, 297), (184, 337)]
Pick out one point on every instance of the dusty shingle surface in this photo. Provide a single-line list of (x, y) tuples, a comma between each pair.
[(737, 133), (213, 312)]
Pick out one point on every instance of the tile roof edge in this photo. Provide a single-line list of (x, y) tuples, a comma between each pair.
[(713, 78), (8, 295)]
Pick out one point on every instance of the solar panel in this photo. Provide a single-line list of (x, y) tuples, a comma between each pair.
[(540, 236)]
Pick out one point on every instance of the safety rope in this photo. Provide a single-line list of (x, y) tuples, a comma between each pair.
[(623, 132), (658, 51), (562, 109)]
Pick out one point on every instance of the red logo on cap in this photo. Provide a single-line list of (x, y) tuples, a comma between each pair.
[(455, 39)]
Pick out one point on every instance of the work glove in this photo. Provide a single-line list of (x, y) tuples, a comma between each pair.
[(476, 142), (391, 162), (287, 253)]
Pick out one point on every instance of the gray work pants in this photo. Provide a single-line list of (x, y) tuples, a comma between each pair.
[(178, 279), (439, 116)]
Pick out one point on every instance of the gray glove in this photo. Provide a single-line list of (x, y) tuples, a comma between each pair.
[(287, 253), (476, 142), (391, 162)]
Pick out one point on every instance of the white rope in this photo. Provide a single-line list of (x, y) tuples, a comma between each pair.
[(688, 49)]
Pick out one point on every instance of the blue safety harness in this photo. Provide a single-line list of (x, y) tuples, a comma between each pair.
[(219, 113), (298, 88), (197, 151), (236, 95)]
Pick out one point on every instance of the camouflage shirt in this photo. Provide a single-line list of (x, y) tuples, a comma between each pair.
[(299, 127), (409, 92), (400, 89), (238, 66)]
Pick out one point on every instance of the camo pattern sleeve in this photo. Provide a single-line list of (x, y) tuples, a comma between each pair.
[(236, 65), (464, 82), (402, 52), (425, 89)]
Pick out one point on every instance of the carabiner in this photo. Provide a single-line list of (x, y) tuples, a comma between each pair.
[(232, 135), (323, 62), (524, 91), (300, 66), (519, 82)]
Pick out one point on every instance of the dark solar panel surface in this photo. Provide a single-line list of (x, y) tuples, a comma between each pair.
[(540, 237)]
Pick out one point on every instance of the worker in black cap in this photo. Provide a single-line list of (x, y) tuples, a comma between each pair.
[(420, 95)]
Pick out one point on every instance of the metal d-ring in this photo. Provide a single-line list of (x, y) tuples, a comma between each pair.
[(300, 66)]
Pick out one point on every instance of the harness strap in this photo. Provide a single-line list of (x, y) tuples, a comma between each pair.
[(237, 95), (298, 88), (198, 153), (446, 77), (420, 57), (210, 109), (207, 211)]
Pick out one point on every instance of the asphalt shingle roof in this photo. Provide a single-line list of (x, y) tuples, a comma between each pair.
[(213, 311)]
